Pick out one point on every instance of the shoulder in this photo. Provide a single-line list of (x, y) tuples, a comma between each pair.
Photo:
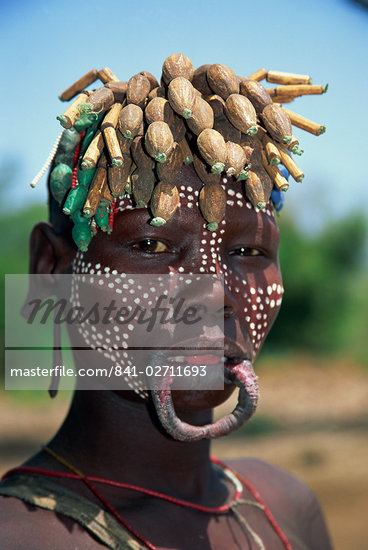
[(289, 499), (24, 525)]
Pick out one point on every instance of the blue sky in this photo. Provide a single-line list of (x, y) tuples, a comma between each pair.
[(45, 47)]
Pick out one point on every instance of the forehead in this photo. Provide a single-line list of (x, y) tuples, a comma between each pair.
[(239, 215)]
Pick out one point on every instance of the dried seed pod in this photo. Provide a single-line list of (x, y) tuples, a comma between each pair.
[(202, 116), (152, 80), (117, 176), (227, 130), (203, 171), (101, 100), (212, 202), (241, 113), (130, 120), (93, 153), (235, 159), (176, 65), (258, 75), (275, 174), (178, 128), (222, 80), (159, 141), (277, 123), (159, 109), (258, 187), (60, 181), (79, 85), (159, 91), (181, 95), (253, 150), (118, 89), (278, 77), (106, 196), (106, 75), (290, 165), (69, 117), (143, 182), (164, 202), (187, 153), (138, 89), (256, 93), (199, 80), (170, 170), (305, 124), (139, 154), (212, 147), (217, 105)]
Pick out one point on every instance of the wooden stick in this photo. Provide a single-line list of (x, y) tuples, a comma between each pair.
[(68, 118), (271, 149), (305, 124), (278, 77), (79, 85), (106, 75), (293, 146), (93, 153), (297, 90), (113, 146), (112, 117), (275, 174), (290, 165), (106, 196), (95, 192), (258, 75)]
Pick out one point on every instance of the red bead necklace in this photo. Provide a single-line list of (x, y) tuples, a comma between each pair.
[(237, 480)]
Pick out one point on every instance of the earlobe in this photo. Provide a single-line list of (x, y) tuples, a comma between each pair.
[(49, 252)]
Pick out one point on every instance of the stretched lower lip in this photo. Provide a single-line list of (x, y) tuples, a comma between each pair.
[(241, 374)]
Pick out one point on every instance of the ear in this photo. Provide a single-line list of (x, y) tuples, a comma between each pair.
[(50, 255), (50, 252)]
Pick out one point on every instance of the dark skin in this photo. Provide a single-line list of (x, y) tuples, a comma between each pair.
[(118, 436)]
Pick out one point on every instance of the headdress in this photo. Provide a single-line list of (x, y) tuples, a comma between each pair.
[(134, 137)]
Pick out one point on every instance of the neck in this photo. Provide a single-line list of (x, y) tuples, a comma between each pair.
[(108, 436)]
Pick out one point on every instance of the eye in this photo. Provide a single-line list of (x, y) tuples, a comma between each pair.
[(150, 246), (245, 251)]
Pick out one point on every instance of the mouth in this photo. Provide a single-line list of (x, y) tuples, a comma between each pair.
[(236, 369)]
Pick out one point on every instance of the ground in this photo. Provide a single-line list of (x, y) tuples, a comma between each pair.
[(312, 421)]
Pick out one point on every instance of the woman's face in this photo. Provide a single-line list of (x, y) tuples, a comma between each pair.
[(244, 250)]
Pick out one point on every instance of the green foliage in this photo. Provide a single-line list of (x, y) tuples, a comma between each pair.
[(325, 307)]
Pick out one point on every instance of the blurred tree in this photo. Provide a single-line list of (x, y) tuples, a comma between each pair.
[(325, 306)]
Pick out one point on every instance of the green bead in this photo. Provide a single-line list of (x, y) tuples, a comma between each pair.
[(84, 177), (81, 234), (102, 217), (75, 199), (67, 146), (60, 181), (77, 217), (84, 122)]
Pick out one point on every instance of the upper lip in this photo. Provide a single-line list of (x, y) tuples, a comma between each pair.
[(230, 349)]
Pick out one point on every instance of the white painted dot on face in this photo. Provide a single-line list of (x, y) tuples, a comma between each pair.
[(230, 192), (252, 325), (272, 303), (254, 307), (269, 290), (130, 327), (252, 290)]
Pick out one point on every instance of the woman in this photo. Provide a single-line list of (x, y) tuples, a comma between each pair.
[(132, 469)]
